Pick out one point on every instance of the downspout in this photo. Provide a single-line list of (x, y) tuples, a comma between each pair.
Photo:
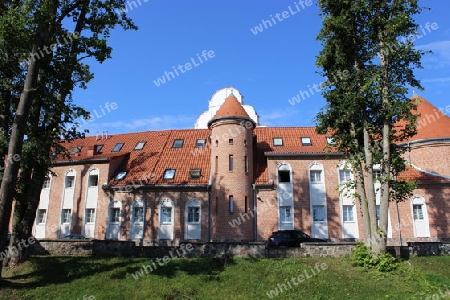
[(399, 224), (255, 214), (208, 188)]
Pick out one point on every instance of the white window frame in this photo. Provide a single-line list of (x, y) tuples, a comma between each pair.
[(346, 216), (313, 176), (66, 216), (115, 215), (67, 181), (141, 215), (286, 215), (193, 214), (318, 213), (41, 216), (166, 214), (90, 215)]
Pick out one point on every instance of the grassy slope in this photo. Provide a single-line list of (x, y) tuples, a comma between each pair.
[(111, 278)]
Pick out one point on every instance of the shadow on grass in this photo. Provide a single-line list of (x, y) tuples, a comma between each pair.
[(211, 267), (58, 270)]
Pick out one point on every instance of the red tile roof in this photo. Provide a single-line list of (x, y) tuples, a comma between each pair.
[(147, 166), (432, 122), (231, 108), (413, 173)]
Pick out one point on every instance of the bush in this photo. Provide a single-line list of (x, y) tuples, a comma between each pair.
[(363, 257)]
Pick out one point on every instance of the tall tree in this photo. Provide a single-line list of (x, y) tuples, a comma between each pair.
[(61, 35), (368, 110)]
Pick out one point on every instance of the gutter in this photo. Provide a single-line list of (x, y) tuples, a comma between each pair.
[(304, 154), (426, 141), (154, 186)]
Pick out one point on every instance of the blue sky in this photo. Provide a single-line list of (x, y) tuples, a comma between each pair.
[(268, 68)]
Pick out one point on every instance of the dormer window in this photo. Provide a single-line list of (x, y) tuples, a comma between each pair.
[(120, 175), (169, 174), (195, 173), (200, 143), (117, 147), (178, 143), (75, 150), (277, 141), (98, 149), (140, 145), (306, 141), (330, 141)]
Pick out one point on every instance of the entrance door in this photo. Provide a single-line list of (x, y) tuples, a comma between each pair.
[(193, 220), (420, 217), (165, 231), (137, 220), (114, 221), (66, 219)]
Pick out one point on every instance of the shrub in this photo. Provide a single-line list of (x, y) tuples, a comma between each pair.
[(363, 257)]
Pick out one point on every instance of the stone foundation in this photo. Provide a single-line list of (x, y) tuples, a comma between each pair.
[(220, 249)]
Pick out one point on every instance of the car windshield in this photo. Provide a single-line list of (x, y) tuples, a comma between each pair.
[(302, 235)]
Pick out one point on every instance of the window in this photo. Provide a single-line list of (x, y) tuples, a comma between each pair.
[(70, 181), (166, 214), (41, 216), (330, 141), (178, 143), (200, 143), (284, 176), (231, 203), (230, 141), (98, 149), (318, 213), (217, 164), (93, 180), (75, 150), (230, 163), (344, 175), (348, 213), (90, 215), (169, 174), (277, 141), (117, 147), (376, 174), (193, 214), (66, 216), (378, 212), (246, 164), (316, 176), (306, 141), (46, 184), (418, 212), (246, 204), (140, 145), (115, 215), (286, 214), (138, 214), (195, 173), (120, 175)]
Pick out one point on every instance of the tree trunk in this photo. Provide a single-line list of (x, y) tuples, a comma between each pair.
[(7, 188)]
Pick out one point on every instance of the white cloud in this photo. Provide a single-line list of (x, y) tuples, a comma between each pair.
[(440, 58), (277, 117), (153, 123), (437, 80)]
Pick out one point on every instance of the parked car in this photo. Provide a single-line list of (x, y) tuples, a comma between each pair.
[(291, 238), (75, 237)]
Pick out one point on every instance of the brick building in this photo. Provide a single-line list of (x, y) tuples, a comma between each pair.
[(232, 179)]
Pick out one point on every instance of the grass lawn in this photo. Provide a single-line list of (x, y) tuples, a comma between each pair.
[(90, 278)]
